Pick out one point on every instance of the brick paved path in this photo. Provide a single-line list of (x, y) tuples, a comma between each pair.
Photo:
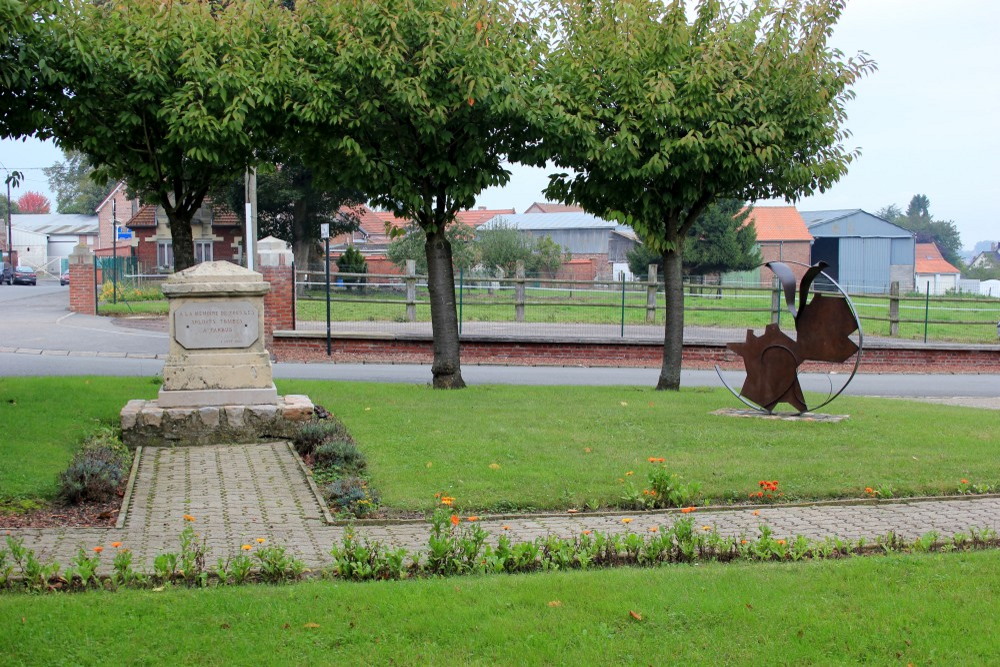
[(238, 493)]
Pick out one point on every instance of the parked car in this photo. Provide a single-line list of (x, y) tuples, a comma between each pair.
[(64, 278), (25, 275), (6, 273)]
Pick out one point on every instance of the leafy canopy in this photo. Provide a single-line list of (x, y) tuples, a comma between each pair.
[(925, 228), (410, 245), (502, 246), (663, 116), (72, 181)]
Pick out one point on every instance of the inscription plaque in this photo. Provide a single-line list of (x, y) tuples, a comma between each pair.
[(204, 326)]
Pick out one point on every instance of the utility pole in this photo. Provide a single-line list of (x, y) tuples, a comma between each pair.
[(250, 183)]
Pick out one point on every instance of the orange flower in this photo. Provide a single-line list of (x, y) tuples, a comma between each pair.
[(247, 547), (447, 500), (653, 529), (627, 520), (261, 540), (965, 481), (756, 512), (781, 542), (587, 532), (743, 541), (473, 518), (188, 517), (98, 550), (116, 544), (686, 510), (437, 495), (454, 519), (869, 490), (505, 527), (656, 459)]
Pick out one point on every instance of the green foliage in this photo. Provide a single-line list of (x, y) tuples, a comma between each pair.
[(502, 246), (659, 117), (292, 204), (352, 495), (343, 455), (316, 433), (926, 229), (4, 204), (411, 245), (352, 261), (74, 185), (96, 471), (173, 98), (27, 91)]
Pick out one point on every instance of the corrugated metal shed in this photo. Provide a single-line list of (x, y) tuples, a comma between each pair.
[(865, 252), (577, 232), (55, 223)]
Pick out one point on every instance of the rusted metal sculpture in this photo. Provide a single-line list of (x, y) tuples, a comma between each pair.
[(823, 327)]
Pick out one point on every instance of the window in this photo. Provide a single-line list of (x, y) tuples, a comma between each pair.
[(202, 251), (165, 254)]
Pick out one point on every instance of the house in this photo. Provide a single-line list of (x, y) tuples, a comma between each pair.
[(114, 211), (549, 207), (586, 237), (988, 258), (372, 239), (866, 254), (44, 241), (218, 235), (782, 236), (934, 274)]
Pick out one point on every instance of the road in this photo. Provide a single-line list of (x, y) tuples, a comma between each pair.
[(39, 336)]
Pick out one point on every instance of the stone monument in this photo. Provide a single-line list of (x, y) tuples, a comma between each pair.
[(217, 381)]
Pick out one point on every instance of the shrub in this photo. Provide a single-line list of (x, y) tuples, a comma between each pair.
[(97, 470), (351, 495), (314, 434), (342, 455)]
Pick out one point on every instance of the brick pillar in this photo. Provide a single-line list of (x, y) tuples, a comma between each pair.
[(82, 282), (276, 263)]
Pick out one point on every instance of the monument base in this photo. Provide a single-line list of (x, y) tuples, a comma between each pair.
[(150, 424), (783, 416), (198, 398)]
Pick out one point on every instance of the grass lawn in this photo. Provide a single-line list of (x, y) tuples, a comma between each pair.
[(555, 447), (919, 609)]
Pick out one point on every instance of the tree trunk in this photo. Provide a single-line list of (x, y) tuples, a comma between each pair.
[(182, 239), (447, 369), (301, 241), (673, 328)]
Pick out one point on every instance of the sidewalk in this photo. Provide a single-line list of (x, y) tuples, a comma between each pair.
[(238, 493)]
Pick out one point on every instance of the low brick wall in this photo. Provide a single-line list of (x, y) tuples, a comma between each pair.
[(311, 346)]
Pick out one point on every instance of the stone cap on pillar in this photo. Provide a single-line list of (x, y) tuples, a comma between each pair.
[(82, 254), (215, 278), (274, 252)]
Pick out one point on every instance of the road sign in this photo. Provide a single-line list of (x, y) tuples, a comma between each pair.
[(324, 230)]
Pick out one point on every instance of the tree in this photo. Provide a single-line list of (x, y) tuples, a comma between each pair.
[(412, 245), (502, 246), (4, 204), (925, 228), (664, 116), (74, 184), (352, 261), (291, 205), (27, 90), (173, 98), (33, 202), (418, 102)]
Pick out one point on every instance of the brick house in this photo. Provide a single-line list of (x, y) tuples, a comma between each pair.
[(116, 205), (782, 236), (218, 235)]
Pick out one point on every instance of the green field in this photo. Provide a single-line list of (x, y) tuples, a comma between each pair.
[(503, 448), (923, 609)]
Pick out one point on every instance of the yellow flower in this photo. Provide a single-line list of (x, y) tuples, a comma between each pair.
[(706, 528), (261, 540), (629, 473), (447, 500), (494, 466), (627, 520), (247, 547)]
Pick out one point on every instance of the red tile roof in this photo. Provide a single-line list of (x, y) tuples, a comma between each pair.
[(373, 222), (222, 216), (476, 217), (930, 260), (779, 223)]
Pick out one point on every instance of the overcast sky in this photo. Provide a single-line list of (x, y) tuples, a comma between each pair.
[(928, 121)]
